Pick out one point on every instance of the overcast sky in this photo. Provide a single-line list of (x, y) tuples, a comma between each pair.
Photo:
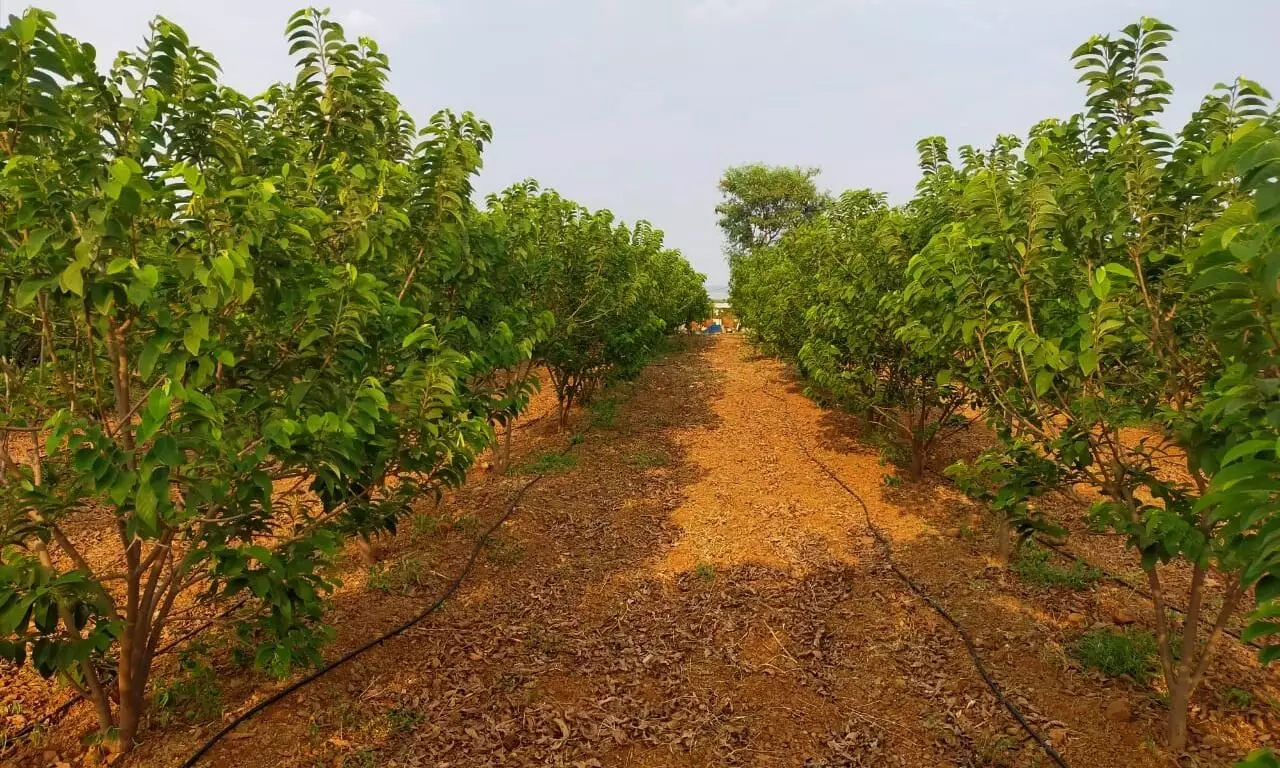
[(638, 105)]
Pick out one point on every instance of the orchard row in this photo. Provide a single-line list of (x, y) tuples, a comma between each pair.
[(243, 330), (1102, 291)]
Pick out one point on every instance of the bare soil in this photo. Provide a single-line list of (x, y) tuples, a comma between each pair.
[(695, 591)]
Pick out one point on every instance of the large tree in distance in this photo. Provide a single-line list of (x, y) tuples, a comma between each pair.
[(761, 205), (762, 202)]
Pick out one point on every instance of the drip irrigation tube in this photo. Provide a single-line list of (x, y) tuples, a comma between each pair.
[(11, 742), (326, 669), (887, 550), (1064, 552), (185, 636)]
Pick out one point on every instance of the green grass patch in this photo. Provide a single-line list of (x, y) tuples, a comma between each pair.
[(503, 551), (604, 413), (997, 751), (424, 525), (405, 720), (705, 571), (402, 576), (464, 525), (1129, 652), (648, 459), (548, 464), (193, 694), (1034, 566)]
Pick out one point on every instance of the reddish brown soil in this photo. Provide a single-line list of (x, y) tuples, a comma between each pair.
[(696, 592)]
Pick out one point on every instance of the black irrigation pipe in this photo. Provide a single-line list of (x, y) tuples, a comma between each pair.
[(1064, 552), (11, 742), (887, 550), (326, 669), (185, 636), (530, 422), (960, 630)]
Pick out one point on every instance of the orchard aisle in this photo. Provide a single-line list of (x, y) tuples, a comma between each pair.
[(896, 685), (694, 591)]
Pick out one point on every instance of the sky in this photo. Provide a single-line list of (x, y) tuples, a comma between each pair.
[(639, 105)]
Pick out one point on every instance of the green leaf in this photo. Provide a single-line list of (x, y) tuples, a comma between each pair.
[(150, 354), (224, 267), (120, 170), (28, 289), (420, 333), (1100, 284), (165, 450), (1247, 448), (154, 415), (14, 652), (1044, 380), (1259, 629), (15, 617), (312, 337), (123, 486), (147, 275), (72, 278), (28, 25), (144, 505), (1268, 589), (1217, 276), (1088, 362), (36, 240), (197, 332), (129, 201), (46, 617), (1259, 758), (262, 658)]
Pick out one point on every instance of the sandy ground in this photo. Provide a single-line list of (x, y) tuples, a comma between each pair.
[(694, 591)]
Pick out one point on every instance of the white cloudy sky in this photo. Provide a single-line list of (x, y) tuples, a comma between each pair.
[(638, 105)]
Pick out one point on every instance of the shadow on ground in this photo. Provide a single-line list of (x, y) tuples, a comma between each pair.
[(522, 625), (693, 591)]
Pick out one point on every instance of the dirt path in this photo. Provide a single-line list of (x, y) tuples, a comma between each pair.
[(694, 591)]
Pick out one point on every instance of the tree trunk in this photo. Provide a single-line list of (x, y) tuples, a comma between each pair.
[(1179, 702), (368, 552), (135, 671), (98, 696), (92, 685), (1004, 540), (133, 640), (132, 697), (504, 453), (917, 458), (566, 403)]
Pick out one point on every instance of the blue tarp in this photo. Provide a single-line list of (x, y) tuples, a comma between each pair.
[(714, 328)]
